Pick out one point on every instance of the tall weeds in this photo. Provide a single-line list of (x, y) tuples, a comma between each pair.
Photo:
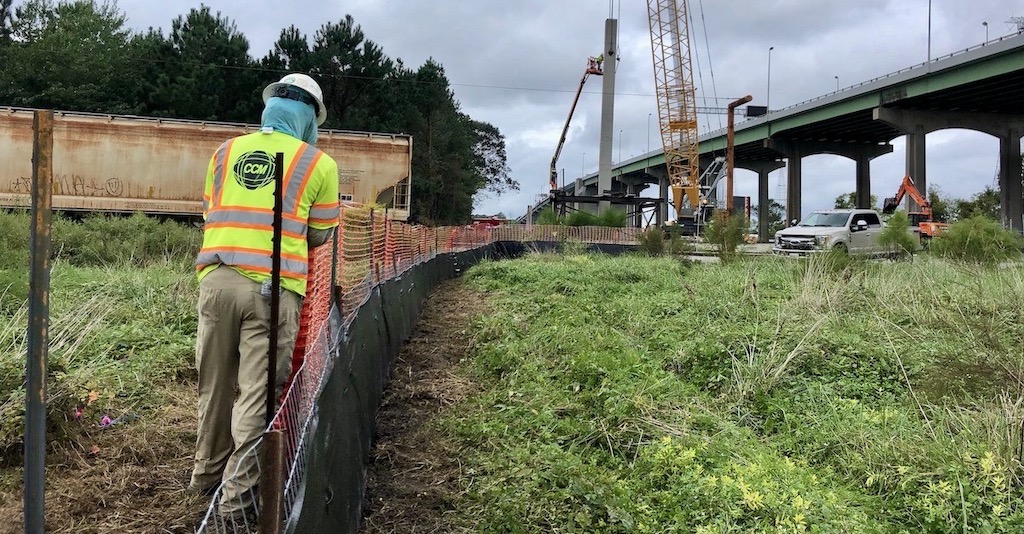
[(116, 334), (636, 392), (979, 241), (122, 318)]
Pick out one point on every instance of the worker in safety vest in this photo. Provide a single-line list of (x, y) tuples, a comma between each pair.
[(234, 269)]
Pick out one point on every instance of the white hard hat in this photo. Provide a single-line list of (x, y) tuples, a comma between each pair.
[(305, 83)]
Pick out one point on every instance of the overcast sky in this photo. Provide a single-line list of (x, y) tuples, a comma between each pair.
[(516, 64)]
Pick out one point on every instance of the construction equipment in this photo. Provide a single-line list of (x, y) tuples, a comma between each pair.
[(677, 109), (593, 67), (709, 201), (922, 220)]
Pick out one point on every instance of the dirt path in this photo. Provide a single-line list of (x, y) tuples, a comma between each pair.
[(413, 474), (131, 478)]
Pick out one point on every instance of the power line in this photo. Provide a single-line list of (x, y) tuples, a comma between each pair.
[(700, 71), (343, 76)]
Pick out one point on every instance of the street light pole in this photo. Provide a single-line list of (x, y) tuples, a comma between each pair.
[(837, 84), (929, 30), (583, 162), (620, 144), (768, 97), (985, 24)]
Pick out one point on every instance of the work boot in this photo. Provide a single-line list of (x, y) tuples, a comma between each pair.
[(207, 491), (243, 520)]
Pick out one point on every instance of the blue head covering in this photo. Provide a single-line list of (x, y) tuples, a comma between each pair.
[(291, 117)]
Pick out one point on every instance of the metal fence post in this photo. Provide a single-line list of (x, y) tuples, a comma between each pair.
[(38, 322), (271, 512), (374, 266)]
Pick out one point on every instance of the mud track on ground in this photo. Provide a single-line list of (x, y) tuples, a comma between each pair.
[(414, 472)]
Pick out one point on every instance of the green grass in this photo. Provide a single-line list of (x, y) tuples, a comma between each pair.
[(646, 395), (979, 241), (630, 394), (95, 240), (122, 319), (610, 217), (116, 335)]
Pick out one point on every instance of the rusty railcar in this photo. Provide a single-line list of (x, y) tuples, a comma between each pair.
[(126, 164)]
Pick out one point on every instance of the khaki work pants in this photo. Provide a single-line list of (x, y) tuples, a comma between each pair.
[(232, 345)]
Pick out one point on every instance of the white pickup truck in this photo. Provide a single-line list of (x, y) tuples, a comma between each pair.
[(847, 230)]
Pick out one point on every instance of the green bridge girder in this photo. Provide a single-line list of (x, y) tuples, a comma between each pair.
[(982, 83), (978, 64)]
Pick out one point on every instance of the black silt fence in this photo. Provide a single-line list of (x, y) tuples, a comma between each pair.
[(334, 488)]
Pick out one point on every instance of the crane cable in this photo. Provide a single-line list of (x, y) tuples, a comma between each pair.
[(711, 66), (700, 73)]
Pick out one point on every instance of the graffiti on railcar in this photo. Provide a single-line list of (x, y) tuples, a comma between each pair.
[(73, 184)]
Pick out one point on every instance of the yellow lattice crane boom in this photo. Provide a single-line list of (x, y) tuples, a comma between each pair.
[(677, 105)]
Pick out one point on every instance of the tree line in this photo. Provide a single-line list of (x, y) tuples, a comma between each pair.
[(984, 203), (78, 55)]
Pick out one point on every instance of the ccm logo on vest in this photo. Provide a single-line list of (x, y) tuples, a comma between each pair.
[(254, 170)]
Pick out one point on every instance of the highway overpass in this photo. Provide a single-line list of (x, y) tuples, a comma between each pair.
[(980, 88)]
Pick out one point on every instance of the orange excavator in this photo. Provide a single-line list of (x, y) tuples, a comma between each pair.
[(593, 67), (922, 219)]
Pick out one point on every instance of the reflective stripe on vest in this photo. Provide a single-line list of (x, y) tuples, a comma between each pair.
[(296, 177), (254, 217), (220, 158), (323, 212), (253, 259), (302, 169)]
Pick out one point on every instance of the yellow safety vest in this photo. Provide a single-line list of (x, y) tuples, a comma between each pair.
[(238, 206)]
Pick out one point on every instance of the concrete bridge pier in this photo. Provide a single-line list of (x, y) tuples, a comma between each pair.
[(794, 185), (862, 156), (1007, 128), (634, 186), (794, 155), (1011, 189), (579, 189), (861, 153), (659, 174), (916, 168), (611, 50), (763, 169)]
